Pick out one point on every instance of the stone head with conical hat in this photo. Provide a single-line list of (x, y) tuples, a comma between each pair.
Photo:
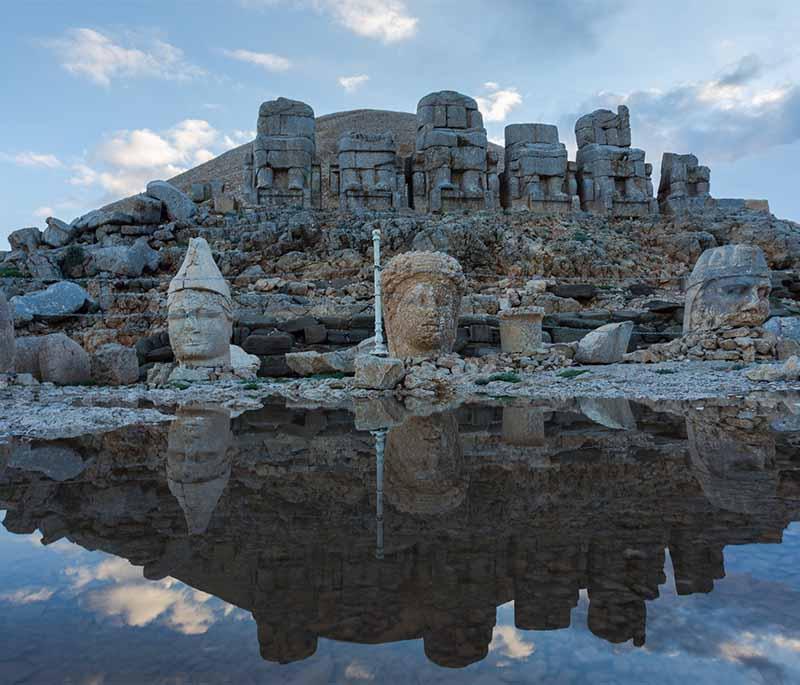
[(200, 310), (729, 286)]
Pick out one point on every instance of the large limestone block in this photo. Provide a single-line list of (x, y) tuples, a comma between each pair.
[(123, 260), (422, 300), (58, 233), (178, 204), (56, 301), (378, 373), (611, 412), (605, 345), (729, 286), (244, 365), (521, 330), (784, 327), (98, 217), (115, 364), (7, 344), (25, 239), (63, 361), (26, 355), (141, 208), (787, 371)]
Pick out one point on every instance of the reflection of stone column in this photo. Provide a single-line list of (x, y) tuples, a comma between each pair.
[(424, 469), (198, 467), (380, 444), (523, 426), (521, 330), (696, 563), (547, 590)]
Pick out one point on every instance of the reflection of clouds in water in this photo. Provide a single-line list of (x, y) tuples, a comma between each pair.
[(508, 641), (358, 671), (27, 596), (140, 602)]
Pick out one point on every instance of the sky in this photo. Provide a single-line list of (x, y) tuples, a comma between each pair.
[(100, 97)]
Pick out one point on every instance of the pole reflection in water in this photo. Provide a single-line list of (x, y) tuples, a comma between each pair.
[(380, 444)]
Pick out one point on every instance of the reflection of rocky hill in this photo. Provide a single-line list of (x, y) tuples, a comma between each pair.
[(477, 513)]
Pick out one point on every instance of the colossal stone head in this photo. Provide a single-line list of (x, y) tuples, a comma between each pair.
[(729, 286), (421, 302), (200, 310), (424, 465), (198, 466)]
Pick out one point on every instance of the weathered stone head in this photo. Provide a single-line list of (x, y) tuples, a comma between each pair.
[(729, 286), (200, 310), (424, 465), (198, 466), (421, 302)]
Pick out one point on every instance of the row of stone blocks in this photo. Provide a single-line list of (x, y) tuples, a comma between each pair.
[(453, 167)]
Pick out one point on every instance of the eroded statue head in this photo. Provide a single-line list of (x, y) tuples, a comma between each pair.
[(729, 286), (200, 310), (421, 303)]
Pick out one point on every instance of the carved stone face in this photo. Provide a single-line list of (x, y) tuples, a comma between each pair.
[(729, 301), (422, 321), (200, 329)]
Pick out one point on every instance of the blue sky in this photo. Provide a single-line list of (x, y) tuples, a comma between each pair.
[(99, 97)]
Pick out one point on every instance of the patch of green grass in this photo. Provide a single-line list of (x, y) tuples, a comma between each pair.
[(74, 257), (180, 385), (572, 373), (10, 272), (505, 377), (664, 372)]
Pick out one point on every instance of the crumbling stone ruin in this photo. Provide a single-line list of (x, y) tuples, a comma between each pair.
[(369, 173), (278, 172), (451, 169), (613, 177), (537, 175), (685, 186)]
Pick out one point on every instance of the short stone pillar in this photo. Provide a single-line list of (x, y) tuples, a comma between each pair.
[(521, 330)]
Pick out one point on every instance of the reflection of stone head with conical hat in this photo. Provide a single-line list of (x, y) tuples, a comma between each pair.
[(200, 310), (198, 466), (424, 465)]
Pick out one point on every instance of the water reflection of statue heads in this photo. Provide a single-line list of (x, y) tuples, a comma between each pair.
[(198, 466)]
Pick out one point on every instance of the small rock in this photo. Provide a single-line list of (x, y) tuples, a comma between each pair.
[(787, 371), (378, 373), (244, 365), (605, 345), (114, 364)]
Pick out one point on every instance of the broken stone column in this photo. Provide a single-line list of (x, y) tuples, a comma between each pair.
[(278, 171), (422, 299), (7, 344), (200, 311), (685, 186), (612, 177), (370, 174), (535, 176), (729, 286), (452, 169), (521, 330)]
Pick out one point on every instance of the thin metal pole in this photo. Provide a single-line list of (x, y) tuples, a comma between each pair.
[(379, 349), (380, 443)]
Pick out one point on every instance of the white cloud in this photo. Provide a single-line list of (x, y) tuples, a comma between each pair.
[(499, 102), (27, 596), (352, 83), (95, 56), (32, 159), (44, 212), (265, 60)]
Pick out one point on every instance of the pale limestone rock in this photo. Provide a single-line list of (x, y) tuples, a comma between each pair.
[(198, 463), (787, 371), (123, 260), (341, 361), (244, 365), (57, 300), (178, 204), (200, 311), (378, 373), (370, 175), (58, 233), (7, 343), (729, 286), (685, 185), (521, 330), (422, 299), (25, 239), (605, 345), (114, 364), (63, 361)]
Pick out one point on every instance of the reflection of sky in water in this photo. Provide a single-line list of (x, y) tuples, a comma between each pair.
[(68, 615)]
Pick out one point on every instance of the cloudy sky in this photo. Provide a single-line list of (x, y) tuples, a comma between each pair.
[(99, 97)]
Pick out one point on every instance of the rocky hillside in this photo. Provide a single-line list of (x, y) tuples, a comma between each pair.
[(228, 166)]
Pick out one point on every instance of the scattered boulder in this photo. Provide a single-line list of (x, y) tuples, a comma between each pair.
[(378, 373), (605, 345), (576, 291), (787, 371), (244, 365), (124, 260), (784, 327), (98, 217), (141, 208), (25, 239), (57, 462), (343, 361), (178, 204), (611, 412), (41, 266), (53, 358), (7, 344), (58, 233), (26, 356), (56, 301), (114, 364)]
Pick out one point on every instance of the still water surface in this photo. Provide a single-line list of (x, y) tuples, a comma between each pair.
[(580, 542)]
